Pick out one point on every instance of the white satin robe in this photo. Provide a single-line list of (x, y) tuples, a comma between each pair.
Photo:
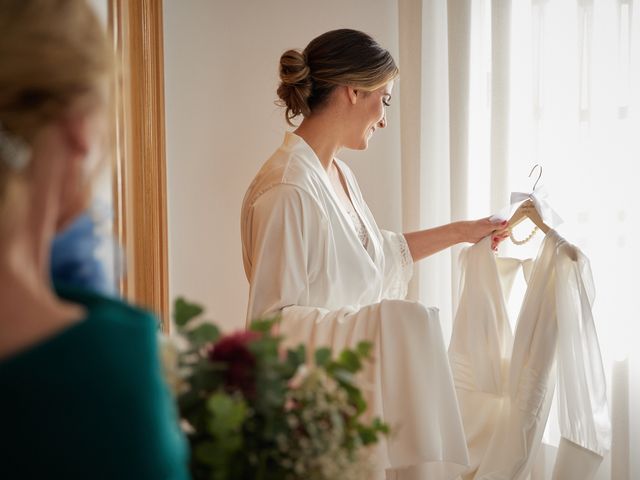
[(303, 258), (505, 381)]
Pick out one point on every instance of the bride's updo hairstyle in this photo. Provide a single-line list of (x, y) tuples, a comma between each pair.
[(338, 57)]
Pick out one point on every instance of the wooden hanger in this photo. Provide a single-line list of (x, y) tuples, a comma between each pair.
[(528, 210)]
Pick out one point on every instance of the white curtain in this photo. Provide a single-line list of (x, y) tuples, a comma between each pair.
[(488, 89)]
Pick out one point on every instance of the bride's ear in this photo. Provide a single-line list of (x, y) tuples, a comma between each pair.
[(352, 94)]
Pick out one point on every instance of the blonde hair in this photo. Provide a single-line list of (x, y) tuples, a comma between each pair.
[(52, 52), (337, 57)]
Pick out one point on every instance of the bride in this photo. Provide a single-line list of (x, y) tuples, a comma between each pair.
[(313, 253)]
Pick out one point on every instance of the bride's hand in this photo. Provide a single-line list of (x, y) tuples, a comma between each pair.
[(476, 230)]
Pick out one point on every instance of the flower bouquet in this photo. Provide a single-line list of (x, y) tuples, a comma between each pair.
[(254, 410)]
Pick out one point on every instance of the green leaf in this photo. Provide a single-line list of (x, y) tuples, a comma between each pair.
[(294, 359), (368, 435), (184, 312), (359, 402), (265, 347), (323, 357), (263, 325), (206, 376), (380, 426), (364, 349), (344, 377), (350, 361), (227, 414), (297, 356), (203, 334)]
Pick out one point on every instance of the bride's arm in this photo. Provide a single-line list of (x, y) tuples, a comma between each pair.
[(427, 242)]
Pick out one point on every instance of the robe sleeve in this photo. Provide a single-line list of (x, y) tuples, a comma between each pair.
[(398, 265), (284, 225), (582, 388), (409, 358)]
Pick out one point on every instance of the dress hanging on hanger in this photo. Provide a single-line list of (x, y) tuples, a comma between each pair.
[(505, 380)]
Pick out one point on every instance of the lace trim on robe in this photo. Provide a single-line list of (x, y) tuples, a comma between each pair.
[(402, 270), (363, 236)]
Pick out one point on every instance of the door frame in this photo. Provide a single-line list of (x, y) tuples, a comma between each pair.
[(139, 169)]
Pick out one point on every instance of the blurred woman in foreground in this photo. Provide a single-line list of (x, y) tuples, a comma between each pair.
[(82, 394)]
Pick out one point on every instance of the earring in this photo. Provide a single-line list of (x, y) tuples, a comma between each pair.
[(14, 151)]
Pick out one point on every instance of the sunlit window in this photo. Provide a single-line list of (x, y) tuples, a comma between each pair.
[(574, 98)]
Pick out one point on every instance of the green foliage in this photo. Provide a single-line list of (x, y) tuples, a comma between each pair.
[(203, 334), (323, 357), (257, 411), (227, 415), (364, 349), (263, 326), (184, 312)]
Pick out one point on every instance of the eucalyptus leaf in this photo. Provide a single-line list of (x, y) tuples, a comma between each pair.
[(263, 326), (364, 349), (345, 377), (184, 311), (297, 356), (359, 402), (323, 357), (368, 435), (203, 334), (380, 426), (349, 360), (227, 414)]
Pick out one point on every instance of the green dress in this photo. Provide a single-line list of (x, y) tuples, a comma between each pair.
[(91, 402)]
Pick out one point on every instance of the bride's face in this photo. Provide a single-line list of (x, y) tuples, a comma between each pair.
[(369, 114)]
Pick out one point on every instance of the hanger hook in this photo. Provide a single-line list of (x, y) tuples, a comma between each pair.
[(539, 174)]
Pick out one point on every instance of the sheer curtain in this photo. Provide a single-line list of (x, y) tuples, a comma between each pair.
[(490, 88)]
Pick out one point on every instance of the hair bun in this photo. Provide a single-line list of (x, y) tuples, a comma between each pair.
[(293, 67), (295, 84)]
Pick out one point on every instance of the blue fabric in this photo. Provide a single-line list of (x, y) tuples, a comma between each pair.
[(75, 260)]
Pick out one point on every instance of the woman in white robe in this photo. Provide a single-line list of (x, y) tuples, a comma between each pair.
[(313, 253)]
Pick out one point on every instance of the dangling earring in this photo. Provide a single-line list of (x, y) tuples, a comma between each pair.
[(14, 151)]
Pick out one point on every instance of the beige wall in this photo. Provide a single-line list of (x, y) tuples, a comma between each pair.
[(221, 62)]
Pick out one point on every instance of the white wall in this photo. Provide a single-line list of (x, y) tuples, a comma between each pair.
[(221, 66)]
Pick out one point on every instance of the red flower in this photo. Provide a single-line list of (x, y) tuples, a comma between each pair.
[(234, 352)]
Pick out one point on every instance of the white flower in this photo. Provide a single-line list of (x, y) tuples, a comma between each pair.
[(169, 358)]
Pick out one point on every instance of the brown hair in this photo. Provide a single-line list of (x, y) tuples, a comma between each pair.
[(52, 51), (338, 57)]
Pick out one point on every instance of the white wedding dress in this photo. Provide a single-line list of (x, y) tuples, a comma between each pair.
[(304, 259), (505, 381)]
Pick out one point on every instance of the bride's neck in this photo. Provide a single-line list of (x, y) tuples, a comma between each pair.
[(322, 136)]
